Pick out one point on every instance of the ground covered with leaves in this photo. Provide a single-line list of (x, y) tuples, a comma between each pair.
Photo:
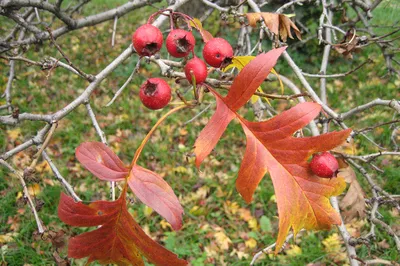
[(219, 227)]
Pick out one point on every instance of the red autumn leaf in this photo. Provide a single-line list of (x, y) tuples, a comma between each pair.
[(303, 199), (153, 191), (243, 87), (101, 161), (119, 239), (149, 187)]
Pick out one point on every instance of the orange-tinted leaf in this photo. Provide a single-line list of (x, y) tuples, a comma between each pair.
[(250, 78), (101, 161), (303, 199), (119, 239), (212, 132), (243, 87), (279, 24), (196, 23), (153, 191)]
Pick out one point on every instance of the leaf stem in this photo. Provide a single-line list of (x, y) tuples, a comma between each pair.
[(139, 150)]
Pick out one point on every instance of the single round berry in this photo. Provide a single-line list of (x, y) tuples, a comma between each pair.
[(218, 53), (155, 93), (197, 68), (324, 165), (147, 40), (180, 43)]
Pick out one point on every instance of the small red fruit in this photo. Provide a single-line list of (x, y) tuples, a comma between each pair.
[(155, 93), (218, 53), (197, 68), (324, 165), (180, 43), (147, 40)]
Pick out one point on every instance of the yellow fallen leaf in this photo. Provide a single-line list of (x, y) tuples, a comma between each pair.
[(251, 243), (34, 190), (9, 237), (223, 240), (43, 167), (294, 251), (164, 224), (231, 207), (332, 243), (245, 214), (253, 224), (147, 211), (13, 134)]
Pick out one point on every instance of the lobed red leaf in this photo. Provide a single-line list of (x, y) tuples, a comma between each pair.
[(250, 78), (302, 198), (119, 239)]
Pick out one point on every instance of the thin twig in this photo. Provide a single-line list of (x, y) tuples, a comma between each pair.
[(114, 31), (125, 84), (7, 93), (43, 146), (338, 75), (87, 76), (60, 178)]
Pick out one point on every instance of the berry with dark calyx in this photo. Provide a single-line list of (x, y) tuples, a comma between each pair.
[(197, 68), (155, 93), (218, 53), (324, 165), (147, 40), (180, 43)]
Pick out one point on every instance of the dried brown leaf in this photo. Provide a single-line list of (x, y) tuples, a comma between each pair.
[(353, 203), (348, 45), (279, 24)]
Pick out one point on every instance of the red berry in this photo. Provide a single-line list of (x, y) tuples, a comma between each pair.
[(218, 53), (324, 165), (180, 43), (147, 40), (197, 68), (155, 93)]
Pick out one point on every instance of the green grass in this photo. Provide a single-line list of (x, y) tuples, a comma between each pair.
[(126, 122)]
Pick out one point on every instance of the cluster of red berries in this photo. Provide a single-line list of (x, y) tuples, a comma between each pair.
[(147, 40), (155, 93)]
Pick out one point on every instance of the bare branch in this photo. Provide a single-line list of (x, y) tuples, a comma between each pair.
[(60, 178), (391, 103)]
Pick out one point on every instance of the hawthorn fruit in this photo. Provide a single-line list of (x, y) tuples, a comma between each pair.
[(197, 68), (147, 40), (155, 93), (218, 53), (324, 165), (180, 43)]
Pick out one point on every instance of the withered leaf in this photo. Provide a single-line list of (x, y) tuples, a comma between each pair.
[(279, 24), (353, 203)]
